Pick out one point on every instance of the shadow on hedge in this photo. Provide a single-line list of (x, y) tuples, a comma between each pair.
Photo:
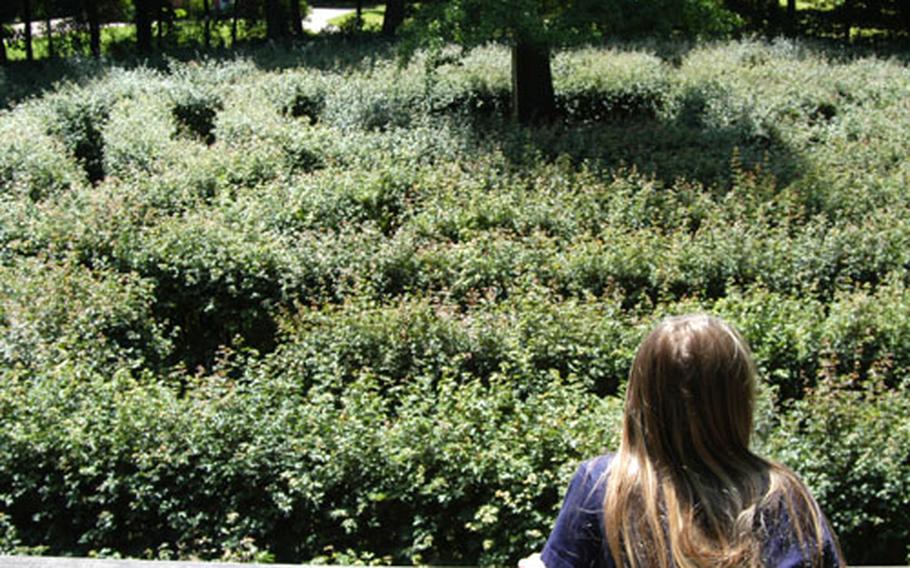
[(632, 131)]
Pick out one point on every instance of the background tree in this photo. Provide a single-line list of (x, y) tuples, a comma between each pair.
[(759, 15), (47, 9), (7, 14), (206, 23), (143, 17), (93, 16), (235, 15), (533, 27), (393, 18), (27, 22), (276, 19), (791, 15), (283, 18), (161, 17), (296, 18), (2, 43)]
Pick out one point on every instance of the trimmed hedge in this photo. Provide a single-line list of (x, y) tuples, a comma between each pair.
[(310, 305)]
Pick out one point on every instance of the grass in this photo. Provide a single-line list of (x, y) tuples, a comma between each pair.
[(120, 40), (372, 18), (810, 4)]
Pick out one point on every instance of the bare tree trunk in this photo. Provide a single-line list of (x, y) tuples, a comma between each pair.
[(3, 58), (394, 17), (207, 30), (216, 21), (49, 31), (160, 30), (791, 17), (296, 18), (27, 20), (143, 26), (848, 18), (270, 25), (275, 20), (772, 13), (90, 7), (234, 23), (359, 19), (533, 99)]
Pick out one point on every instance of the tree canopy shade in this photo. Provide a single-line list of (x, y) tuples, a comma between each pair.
[(533, 27)]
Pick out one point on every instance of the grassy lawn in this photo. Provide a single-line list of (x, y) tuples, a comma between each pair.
[(120, 40), (372, 18), (113, 39), (811, 4)]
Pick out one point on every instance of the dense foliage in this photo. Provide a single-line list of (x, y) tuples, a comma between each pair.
[(125, 28), (308, 305)]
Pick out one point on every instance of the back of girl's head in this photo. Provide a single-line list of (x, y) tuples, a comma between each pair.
[(684, 488), (691, 394)]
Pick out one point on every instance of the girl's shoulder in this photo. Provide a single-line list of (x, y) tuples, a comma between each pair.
[(596, 468), (588, 486)]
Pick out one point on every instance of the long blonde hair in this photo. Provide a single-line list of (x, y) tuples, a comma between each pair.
[(684, 489)]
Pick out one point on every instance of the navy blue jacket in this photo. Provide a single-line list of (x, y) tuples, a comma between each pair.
[(578, 539)]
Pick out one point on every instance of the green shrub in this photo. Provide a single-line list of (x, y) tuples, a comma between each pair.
[(299, 95), (78, 120), (598, 85), (33, 164), (353, 105), (138, 137), (850, 445), (314, 305), (250, 469), (195, 114), (531, 334), (52, 312)]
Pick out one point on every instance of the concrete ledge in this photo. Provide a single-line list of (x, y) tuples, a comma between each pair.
[(60, 562), (57, 562), (66, 562)]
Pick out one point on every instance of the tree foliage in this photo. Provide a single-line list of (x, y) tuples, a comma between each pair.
[(533, 27), (556, 23)]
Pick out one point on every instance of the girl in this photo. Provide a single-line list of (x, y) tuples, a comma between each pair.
[(684, 490)]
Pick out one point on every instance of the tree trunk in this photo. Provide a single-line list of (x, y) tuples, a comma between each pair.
[(27, 20), (159, 8), (143, 26), (791, 17), (394, 16), (296, 18), (275, 20), (773, 16), (848, 18), (2, 44), (207, 29), (533, 100), (49, 33), (216, 23), (94, 26), (234, 23)]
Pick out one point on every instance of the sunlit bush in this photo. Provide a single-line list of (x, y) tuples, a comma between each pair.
[(309, 304)]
